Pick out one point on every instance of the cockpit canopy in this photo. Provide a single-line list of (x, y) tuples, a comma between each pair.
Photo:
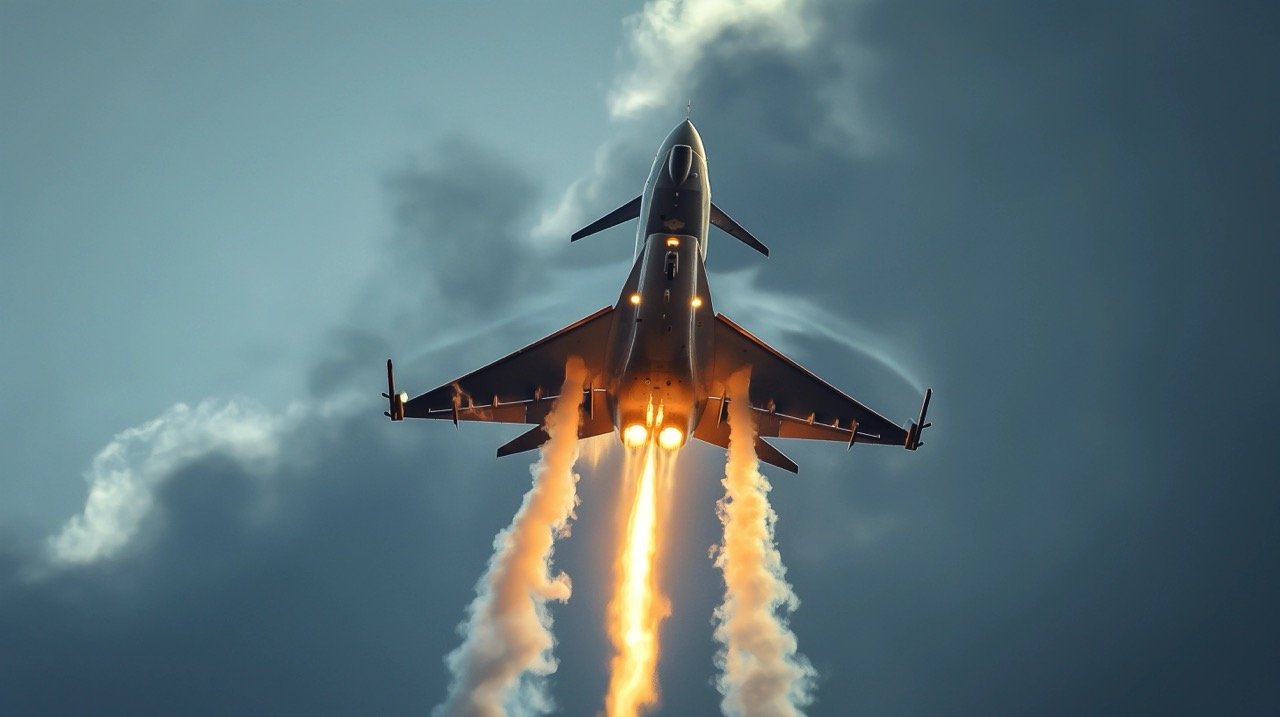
[(679, 162)]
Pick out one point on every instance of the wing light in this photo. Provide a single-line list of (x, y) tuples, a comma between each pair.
[(635, 299)]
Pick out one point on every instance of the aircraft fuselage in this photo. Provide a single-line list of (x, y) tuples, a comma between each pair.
[(662, 334)]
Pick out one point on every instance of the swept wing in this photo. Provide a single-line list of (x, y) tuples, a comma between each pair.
[(520, 387), (788, 400)]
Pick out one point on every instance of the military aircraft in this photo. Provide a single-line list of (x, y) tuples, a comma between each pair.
[(661, 344)]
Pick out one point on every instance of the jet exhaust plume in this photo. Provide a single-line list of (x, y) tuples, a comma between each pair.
[(638, 607), (761, 671), (596, 449), (505, 656)]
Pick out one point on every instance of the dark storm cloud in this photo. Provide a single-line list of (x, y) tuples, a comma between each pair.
[(330, 580), (458, 241), (347, 361), (318, 609), (619, 169), (1069, 213), (460, 220)]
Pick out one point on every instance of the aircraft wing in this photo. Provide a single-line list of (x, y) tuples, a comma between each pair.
[(519, 388), (789, 401)]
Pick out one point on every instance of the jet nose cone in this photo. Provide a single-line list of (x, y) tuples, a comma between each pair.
[(685, 133)]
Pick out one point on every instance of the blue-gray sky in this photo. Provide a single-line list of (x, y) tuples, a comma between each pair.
[(1061, 216)]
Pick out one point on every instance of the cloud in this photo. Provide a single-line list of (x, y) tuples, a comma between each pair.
[(617, 170), (459, 240), (248, 589), (460, 216), (302, 540), (767, 75), (668, 38), (126, 473)]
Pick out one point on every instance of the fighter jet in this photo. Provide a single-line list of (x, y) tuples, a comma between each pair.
[(661, 344)]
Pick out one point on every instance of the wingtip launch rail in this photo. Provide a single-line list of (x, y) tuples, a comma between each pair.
[(396, 401), (918, 425)]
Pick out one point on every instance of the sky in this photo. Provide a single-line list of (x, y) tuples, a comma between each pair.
[(219, 220)]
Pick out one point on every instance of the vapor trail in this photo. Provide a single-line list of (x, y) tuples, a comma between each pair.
[(761, 672), (505, 656)]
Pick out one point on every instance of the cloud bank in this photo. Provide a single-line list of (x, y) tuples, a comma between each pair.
[(124, 475), (668, 38)]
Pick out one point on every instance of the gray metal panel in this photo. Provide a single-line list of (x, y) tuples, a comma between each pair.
[(781, 386), (500, 391)]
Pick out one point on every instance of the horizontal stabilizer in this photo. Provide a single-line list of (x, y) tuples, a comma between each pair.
[(515, 388), (774, 457), (626, 212), (735, 230), (526, 441), (791, 402), (717, 434), (594, 421)]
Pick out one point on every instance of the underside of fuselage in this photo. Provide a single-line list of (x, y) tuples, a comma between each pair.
[(662, 331), (660, 339)]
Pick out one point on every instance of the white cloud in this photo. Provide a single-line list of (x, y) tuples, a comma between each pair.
[(563, 219), (669, 37), (665, 42), (124, 476), (589, 194)]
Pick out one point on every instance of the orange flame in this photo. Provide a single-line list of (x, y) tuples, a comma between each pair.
[(638, 606)]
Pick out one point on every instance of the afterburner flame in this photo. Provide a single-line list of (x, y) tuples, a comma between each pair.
[(638, 607), (635, 435), (670, 438)]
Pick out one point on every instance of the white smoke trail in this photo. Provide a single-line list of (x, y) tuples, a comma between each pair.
[(761, 672), (502, 664)]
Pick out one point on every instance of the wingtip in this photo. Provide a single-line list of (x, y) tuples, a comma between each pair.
[(917, 426)]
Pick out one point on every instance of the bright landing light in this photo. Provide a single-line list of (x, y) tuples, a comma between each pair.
[(670, 438)]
